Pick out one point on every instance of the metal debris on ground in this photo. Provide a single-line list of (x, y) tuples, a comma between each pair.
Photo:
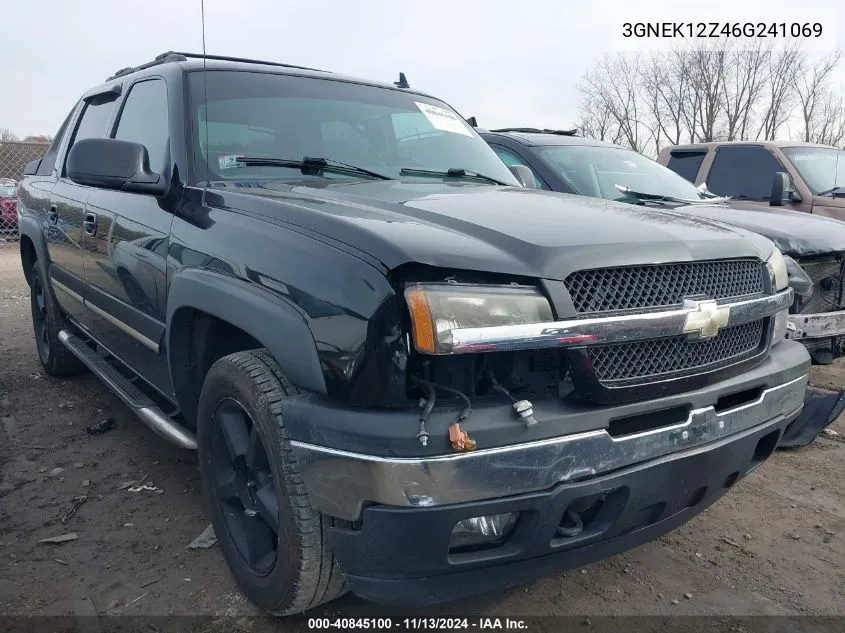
[(101, 427), (205, 540), (77, 503), (145, 487), (61, 562), (61, 538), (131, 483)]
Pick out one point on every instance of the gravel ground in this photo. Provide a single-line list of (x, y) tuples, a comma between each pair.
[(773, 545)]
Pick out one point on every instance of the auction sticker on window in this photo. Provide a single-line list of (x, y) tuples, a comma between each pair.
[(229, 161), (443, 120)]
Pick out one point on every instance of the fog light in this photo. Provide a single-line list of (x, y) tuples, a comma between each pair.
[(484, 530)]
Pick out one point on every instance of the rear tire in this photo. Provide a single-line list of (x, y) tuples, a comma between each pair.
[(275, 543), (47, 322)]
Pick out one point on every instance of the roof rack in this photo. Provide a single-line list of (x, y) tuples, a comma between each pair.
[(534, 130), (179, 56)]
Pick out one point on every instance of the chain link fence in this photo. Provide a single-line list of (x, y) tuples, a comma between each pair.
[(14, 155)]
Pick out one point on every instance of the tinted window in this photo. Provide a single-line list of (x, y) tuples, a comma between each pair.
[(144, 120), (599, 172), (510, 159), (686, 163), (822, 168), (744, 172), (283, 116), (95, 119), (46, 166)]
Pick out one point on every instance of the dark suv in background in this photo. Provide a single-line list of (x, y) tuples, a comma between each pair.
[(563, 161), (404, 374)]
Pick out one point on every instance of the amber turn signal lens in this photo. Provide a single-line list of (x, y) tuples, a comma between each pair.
[(421, 319)]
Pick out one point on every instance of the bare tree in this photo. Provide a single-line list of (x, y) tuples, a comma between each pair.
[(38, 138), (613, 86), (705, 98), (743, 87), (664, 86), (828, 122), (812, 86), (7, 135), (782, 69), (596, 121)]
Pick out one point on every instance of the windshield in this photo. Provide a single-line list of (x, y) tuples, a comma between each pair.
[(289, 117), (821, 168), (595, 171)]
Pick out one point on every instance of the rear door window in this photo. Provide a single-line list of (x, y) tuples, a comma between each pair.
[(744, 172), (686, 163)]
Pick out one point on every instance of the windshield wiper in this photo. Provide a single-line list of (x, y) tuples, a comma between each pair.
[(454, 172), (653, 197), (832, 190), (310, 164)]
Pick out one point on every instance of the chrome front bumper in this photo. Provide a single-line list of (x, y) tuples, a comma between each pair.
[(821, 325), (339, 482)]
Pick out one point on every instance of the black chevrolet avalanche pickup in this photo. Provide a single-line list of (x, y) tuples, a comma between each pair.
[(405, 375)]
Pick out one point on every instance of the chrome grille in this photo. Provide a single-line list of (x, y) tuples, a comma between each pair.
[(633, 287), (647, 361)]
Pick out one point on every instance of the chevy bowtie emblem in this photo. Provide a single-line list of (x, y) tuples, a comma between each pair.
[(706, 319)]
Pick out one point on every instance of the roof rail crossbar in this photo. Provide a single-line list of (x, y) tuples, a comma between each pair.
[(534, 130), (246, 60)]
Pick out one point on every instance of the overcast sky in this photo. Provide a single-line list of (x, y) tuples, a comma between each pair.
[(508, 63)]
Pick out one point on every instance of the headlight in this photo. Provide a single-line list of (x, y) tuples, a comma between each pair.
[(777, 265), (799, 280), (439, 308)]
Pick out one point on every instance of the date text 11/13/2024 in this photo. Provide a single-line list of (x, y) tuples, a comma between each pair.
[(414, 624)]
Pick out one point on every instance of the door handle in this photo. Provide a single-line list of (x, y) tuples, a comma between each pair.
[(53, 214), (90, 224)]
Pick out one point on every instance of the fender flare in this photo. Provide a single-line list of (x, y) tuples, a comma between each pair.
[(28, 226), (268, 318)]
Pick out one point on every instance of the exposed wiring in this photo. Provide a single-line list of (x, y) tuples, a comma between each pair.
[(467, 409), (498, 387), (431, 396), (522, 408)]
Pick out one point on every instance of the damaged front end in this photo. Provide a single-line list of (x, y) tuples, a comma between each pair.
[(817, 316)]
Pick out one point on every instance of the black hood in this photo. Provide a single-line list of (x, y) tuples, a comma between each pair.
[(508, 230), (794, 232)]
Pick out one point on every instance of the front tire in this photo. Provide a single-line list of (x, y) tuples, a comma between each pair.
[(47, 322), (275, 543)]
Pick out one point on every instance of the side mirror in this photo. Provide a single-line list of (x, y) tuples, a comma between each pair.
[(524, 175), (31, 168), (782, 190), (112, 164)]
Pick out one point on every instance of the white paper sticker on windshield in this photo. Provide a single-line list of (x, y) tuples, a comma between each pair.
[(443, 120), (229, 161)]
